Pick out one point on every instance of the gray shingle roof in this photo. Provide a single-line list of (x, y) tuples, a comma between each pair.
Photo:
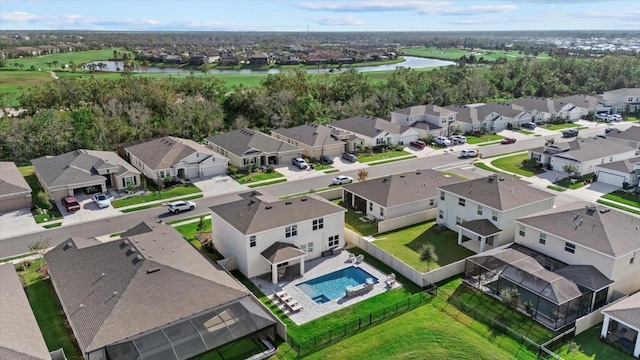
[(608, 231), (627, 310), (482, 227), (504, 109), (500, 192), (425, 110), (165, 152), (465, 114), (632, 134), (368, 125), (626, 92), (11, 181), (624, 166), (585, 275), (20, 336), (79, 166), (586, 149), (311, 134), (252, 215), (279, 252), (245, 142), (532, 103), (580, 100), (119, 289), (404, 188)]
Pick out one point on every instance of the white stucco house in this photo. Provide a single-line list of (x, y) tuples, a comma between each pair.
[(621, 324), (375, 131), (426, 119), (315, 140), (263, 236), (621, 98), (482, 211), (620, 172), (629, 137), (575, 107)]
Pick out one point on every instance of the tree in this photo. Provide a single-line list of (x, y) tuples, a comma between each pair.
[(362, 175), (42, 201), (569, 169), (510, 297), (428, 255), (40, 247)]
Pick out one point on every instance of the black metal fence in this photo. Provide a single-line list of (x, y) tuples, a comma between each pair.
[(348, 329)]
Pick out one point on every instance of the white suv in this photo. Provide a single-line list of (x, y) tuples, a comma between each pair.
[(441, 140), (179, 206)]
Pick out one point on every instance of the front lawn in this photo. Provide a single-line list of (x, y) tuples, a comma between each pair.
[(620, 207), (382, 156), (591, 348), (560, 126), (574, 183), (471, 139), (43, 215), (623, 197), (515, 165), (405, 244), (155, 196), (258, 176)]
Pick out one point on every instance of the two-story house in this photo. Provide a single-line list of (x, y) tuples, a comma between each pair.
[(621, 98), (574, 107), (314, 139), (263, 236), (482, 211), (436, 118)]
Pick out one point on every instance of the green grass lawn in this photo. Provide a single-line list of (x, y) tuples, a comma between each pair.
[(382, 156), (455, 54), (276, 181), (578, 183), (158, 204), (49, 215), (513, 164), (78, 57), (591, 348), (483, 138), (352, 221), (258, 176), (623, 197), (48, 312), (556, 188), (614, 205), (526, 132), (560, 126), (187, 218), (405, 244), (164, 195), (393, 160)]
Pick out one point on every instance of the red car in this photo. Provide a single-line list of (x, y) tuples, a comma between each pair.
[(508, 141), (418, 144), (71, 203)]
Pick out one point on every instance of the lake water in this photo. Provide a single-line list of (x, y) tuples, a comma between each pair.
[(410, 62)]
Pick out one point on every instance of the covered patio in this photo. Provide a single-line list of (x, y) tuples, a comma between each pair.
[(481, 234), (621, 324), (279, 255)]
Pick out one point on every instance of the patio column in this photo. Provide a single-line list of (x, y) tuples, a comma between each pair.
[(483, 241), (459, 236), (274, 273), (605, 326), (636, 350), (302, 266)]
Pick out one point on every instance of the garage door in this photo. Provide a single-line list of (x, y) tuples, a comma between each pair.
[(609, 178), (214, 170)]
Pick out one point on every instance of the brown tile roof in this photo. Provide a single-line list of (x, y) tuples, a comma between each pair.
[(500, 192)]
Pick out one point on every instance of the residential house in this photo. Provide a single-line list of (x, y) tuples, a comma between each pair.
[(151, 295), (621, 324), (619, 173), (437, 119), (496, 117), (374, 132), (582, 233), (84, 170), (629, 137), (198, 59), (575, 107), (466, 118), (175, 157), (542, 109), (20, 336), (259, 60), (582, 155), (482, 210), (626, 99), (263, 236), (244, 147), (397, 195), (15, 192), (314, 139)]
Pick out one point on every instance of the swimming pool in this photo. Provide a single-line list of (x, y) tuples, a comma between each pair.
[(332, 286)]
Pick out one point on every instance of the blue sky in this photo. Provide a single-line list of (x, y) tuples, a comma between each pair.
[(319, 15)]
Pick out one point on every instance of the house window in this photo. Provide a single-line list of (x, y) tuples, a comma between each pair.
[(441, 214), (370, 206), (163, 174), (382, 212), (129, 180), (543, 238), (479, 210), (521, 231), (291, 231), (252, 241), (334, 240), (380, 141), (303, 247), (459, 220), (462, 202), (318, 224), (494, 216), (569, 247), (489, 240), (442, 195), (310, 247)]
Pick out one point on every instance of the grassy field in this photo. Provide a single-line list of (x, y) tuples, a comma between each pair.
[(513, 164), (483, 138), (455, 54), (623, 197), (78, 58), (352, 221), (405, 244)]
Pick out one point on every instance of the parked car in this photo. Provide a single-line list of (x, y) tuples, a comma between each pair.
[(465, 153), (349, 157), (300, 163), (614, 117), (418, 144), (442, 141), (101, 200), (609, 129), (326, 159), (600, 136), (342, 179), (508, 141), (570, 133), (179, 206), (529, 125), (458, 139), (602, 116), (70, 203)]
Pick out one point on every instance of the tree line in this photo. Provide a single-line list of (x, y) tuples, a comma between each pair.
[(93, 113)]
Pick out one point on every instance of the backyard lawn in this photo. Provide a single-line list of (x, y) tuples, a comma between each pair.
[(624, 197), (405, 244), (352, 221), (28, 173), (513, 164), (591, 348), (483, 138), (382, 156), (154, 196)]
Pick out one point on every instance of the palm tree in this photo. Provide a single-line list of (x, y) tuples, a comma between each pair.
[(428, 255), (510, 297)]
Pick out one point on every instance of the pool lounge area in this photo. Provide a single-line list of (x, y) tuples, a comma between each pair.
[(315, 271)]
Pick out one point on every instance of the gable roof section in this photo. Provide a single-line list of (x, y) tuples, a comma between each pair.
[(627, 310), (11, 181), (79, 166), (20, 336), (631, 134), (427, 109), (503, 109), (608, 231), (245, 142), (311, 134), (624, 166), (625, 92), (532, 103), (253, 215), (119, 289), (580, 100), (369, 126), (500, 192), (585, 275), (465, 114), (165, 152), (586, 149), (404, 188)]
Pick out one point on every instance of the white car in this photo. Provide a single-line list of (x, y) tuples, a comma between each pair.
[(179, 206), (300, 163), (441, 140), (101, 200), (469, 153), (602, 116), (342, 179), (458, 139)]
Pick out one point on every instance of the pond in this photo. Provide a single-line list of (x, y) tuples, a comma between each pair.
[(410, 62)]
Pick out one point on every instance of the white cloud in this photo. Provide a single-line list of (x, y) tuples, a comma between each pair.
[(18, 17), (422, 7), (337, 20), (477, 10)]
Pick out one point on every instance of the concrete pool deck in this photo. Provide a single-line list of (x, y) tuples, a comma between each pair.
[(313, 269)]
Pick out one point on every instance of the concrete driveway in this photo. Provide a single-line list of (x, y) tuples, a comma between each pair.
[(218, 185), (88, 212), (19, 222)]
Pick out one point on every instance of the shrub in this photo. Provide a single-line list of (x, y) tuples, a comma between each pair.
[(270, 169), (42, 201)]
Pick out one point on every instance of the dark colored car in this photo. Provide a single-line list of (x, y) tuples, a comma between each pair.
[(609, 129), (70, 203), (508, 141), (326, 159), (350, 157), (570, 133), (418, 144)]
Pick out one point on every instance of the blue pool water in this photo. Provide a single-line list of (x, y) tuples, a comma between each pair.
[(332, 286)]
